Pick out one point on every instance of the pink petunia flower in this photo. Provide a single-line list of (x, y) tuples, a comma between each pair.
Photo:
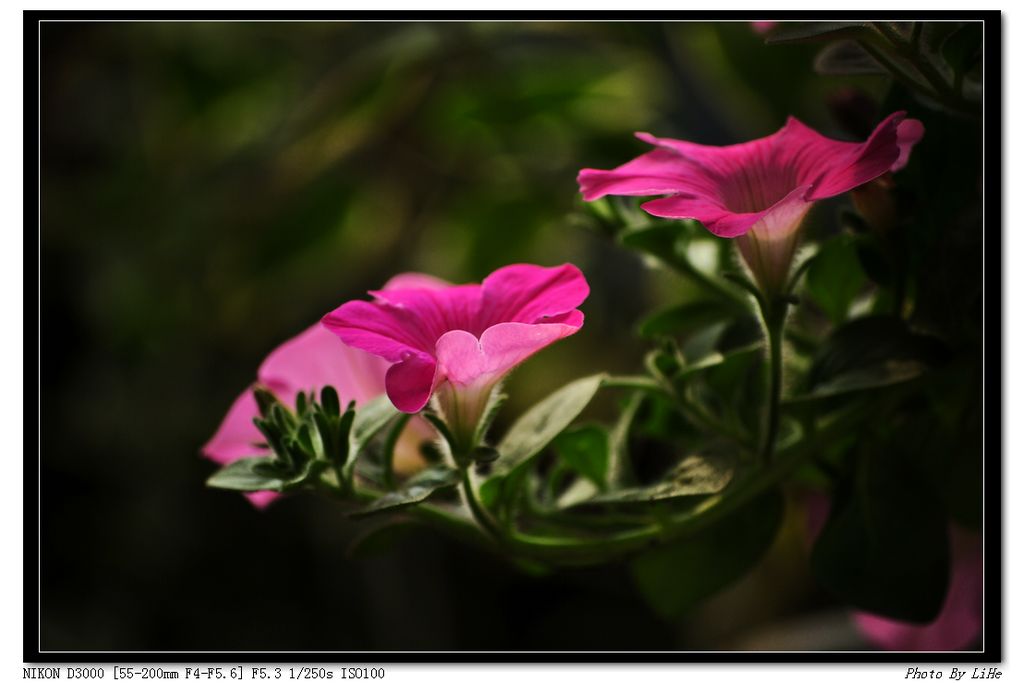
[(460, 341), (756, 191), (958, 623), (309, 362)]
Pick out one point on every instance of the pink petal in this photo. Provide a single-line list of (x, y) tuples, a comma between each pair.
[(716, 218), (386, 331), (464, 360), (262, 499), (527, 293), (317, 358), (908, 133), (411, 381), (959, 623), (307, 362), (656, 172), (770, 244), (415, 281), (237, 437), (435, 311), (729, 188), (834, 166)]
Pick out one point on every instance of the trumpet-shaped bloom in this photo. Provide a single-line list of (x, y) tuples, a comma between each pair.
[(462, 340), (958, 624), (759, 190), (308, 362)]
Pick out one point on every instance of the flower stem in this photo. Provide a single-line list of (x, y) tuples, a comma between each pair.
[(774, 315), (480, 513)]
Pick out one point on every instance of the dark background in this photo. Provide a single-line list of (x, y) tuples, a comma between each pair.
[(211, 189)]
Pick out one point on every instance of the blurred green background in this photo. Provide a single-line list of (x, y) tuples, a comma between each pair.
[(211, 189)]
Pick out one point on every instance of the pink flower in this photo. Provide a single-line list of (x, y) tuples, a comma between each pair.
[(758, 191), (461, 340), (763, 27), (309, 362), (959, 623)]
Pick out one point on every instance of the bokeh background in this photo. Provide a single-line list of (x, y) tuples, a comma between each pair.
[(211, 189)]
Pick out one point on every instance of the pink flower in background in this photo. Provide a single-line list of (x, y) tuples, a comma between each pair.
[(958, 623), (757, 191), (763, 27), (461, 340), (309, 362)]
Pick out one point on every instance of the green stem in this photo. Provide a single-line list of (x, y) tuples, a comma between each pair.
[(774, 314), (480, 513), (936, 85), (389, 449), (710, 284)]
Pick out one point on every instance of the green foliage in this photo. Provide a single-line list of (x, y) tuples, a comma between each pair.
[(585, 450), (416, 490), (871, 352), (885, 547), (536, 428), (695, 475), (675, 577), (834, 278)]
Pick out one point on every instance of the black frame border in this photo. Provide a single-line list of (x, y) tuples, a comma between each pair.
[(993, 351)]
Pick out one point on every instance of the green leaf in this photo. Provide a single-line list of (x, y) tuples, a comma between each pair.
[(684, 318), (380, 539), (962, 49), (675, 577), (620, 467), (265, 400), (442, 428), (834, 277), (261, 474), (536, 428), (884, 548), (494, 403), (815, 31), (369, 419), (846, 58), (416, 490), (585, 450), (696, 475), (657, 239), (871, 352), (330, 402)]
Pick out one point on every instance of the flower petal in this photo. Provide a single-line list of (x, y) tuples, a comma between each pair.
[(415, 281), (237, 437), (770, 244), (958, 624), (527, 293), (411, 381), (834, 166), (317, 358), (715, 217), (435, 311), (655, 172), (908, 133), (262, 499), (464, 360), (386, 331)]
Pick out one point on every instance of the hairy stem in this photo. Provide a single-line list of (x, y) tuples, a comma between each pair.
[(774, 315)]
